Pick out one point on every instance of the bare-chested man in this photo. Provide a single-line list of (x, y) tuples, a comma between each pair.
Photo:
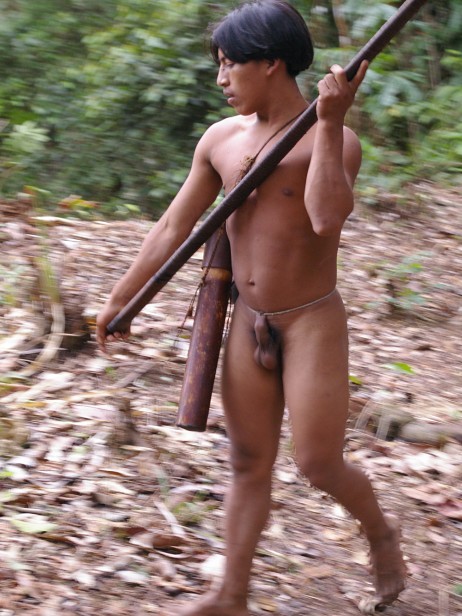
[(288, 343)]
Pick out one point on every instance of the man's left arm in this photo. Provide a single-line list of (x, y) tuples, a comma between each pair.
[(336, 155)]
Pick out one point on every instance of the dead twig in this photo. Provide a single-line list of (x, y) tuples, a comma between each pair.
[(443, 603), (133, 376), (53, 343), (176, 527)]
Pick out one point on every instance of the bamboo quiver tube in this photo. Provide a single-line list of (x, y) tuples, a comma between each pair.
[(207, 334)]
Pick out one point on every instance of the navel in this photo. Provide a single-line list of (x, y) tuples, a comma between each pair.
[(287, 192)]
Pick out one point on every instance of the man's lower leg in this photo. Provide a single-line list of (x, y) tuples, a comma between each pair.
[(248, 505), (352, 489)]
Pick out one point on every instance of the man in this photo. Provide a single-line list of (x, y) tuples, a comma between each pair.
[(287, 344)]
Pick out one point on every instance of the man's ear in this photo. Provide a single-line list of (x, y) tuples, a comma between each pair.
[(274, 65)]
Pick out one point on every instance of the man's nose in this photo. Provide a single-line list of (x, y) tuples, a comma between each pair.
[(222, 77)]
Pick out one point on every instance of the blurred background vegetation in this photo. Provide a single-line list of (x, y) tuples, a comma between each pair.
[(106, 99)]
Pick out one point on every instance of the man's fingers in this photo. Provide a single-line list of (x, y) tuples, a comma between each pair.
[(339, 74), (361, 73), (101, 341), (103, 338)]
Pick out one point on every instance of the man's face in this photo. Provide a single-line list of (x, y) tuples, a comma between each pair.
[(243, 84)]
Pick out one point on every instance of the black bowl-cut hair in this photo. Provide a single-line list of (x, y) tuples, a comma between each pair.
[(264, 30)]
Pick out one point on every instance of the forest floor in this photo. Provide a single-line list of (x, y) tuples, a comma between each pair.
[(106, 508)]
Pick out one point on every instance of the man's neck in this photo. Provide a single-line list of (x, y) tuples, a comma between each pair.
[(280, 108)]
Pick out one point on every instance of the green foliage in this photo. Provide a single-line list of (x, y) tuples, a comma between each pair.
[(404, 290), (10, 279), (192, 511), (105, 99), (400, 367), (411, 101), (409, 111), (26, 139)]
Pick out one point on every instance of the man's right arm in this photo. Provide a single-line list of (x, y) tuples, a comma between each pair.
[(197, 193)]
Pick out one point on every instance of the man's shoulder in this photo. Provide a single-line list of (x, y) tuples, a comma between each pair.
[(349, 133), (220, 131), (226, 125), (351, 139), (216, 134)]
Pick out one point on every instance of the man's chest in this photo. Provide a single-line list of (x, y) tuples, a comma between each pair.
[(235, 156)]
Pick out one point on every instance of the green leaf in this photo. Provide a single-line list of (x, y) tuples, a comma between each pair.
[(33, 525), (355, 380), (400, 367), (7, 496)]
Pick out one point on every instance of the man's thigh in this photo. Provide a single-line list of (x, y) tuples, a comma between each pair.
[(253, 398), (315, 377)]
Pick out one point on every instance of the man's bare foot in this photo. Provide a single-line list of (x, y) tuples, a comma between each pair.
[(213, 605), (387, 565)]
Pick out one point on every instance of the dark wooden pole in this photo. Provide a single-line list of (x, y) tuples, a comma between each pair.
[(257, 175)]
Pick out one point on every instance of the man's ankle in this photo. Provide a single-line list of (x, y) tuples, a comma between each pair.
[(232, 597)]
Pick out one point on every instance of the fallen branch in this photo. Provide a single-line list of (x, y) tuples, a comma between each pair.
[(176, 527), (53, 343)]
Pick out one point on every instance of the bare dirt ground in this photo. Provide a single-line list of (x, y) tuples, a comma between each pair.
[(106, 508)]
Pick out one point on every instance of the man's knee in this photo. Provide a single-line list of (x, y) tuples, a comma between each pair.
[(321, 472), (251, 463)]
